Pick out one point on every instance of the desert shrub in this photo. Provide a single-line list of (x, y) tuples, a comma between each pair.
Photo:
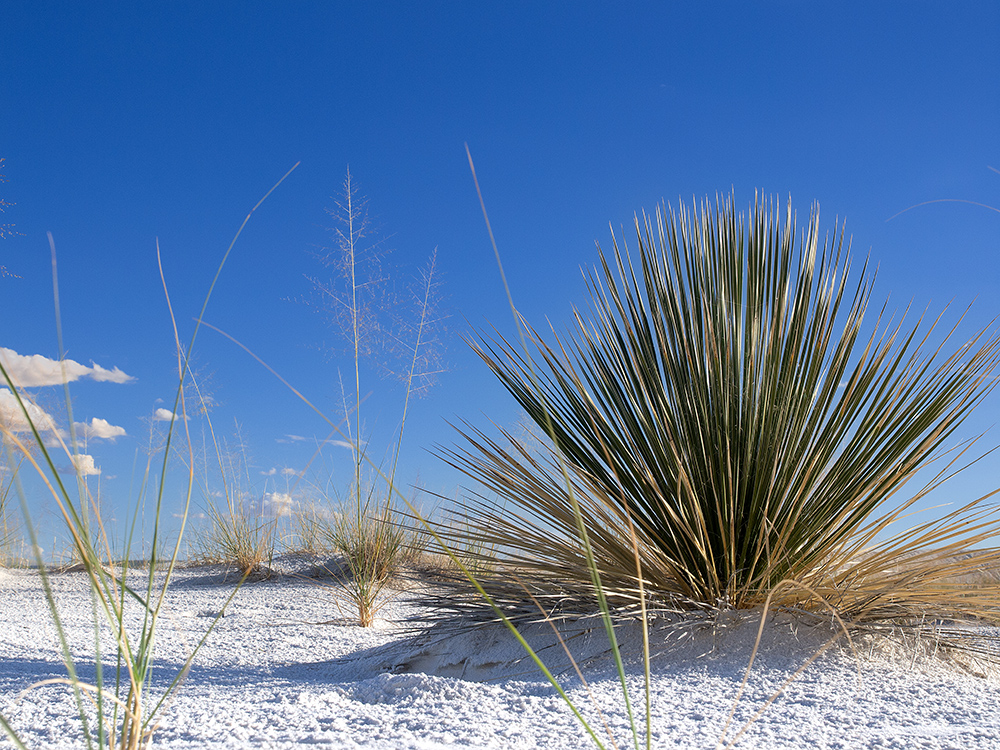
[(718, 427)]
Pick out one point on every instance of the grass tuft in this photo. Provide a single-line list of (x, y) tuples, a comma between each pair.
[(9, 531), (239, 530), (373, 549)]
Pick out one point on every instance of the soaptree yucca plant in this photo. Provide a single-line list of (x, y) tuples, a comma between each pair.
[(727, 423)]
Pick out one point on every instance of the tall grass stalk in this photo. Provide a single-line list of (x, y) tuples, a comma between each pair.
[(370, 536), (477, 537), (126, 713), (434, 531)]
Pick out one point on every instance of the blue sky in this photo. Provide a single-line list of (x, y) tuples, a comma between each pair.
[(124, 124)]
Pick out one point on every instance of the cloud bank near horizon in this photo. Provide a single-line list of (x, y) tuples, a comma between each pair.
[(35, 370)]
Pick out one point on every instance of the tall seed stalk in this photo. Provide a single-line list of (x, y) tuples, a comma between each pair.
[(358, 305)]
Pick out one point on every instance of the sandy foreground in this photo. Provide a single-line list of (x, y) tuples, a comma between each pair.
[(285, 667)]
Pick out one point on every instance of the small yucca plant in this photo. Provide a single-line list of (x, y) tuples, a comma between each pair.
[(726, 424)]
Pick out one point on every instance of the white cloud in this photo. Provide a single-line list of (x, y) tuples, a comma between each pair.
[(12, 416), (35, 370), (98, 428), (285, 472), (277, 504), (299, 439), (82, 464), (165, 415)]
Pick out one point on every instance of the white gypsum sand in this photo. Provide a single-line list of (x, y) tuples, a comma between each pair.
[(285, 668)]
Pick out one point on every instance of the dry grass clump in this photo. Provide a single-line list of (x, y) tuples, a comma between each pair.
[(237, 535), (725, 424), (373, 549), (309, 530), (8, 527), (240, 531)]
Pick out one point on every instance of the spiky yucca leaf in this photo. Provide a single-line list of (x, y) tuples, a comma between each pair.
[(722, 397)]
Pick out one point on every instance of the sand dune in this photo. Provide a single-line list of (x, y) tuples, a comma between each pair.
[(286, 668)]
